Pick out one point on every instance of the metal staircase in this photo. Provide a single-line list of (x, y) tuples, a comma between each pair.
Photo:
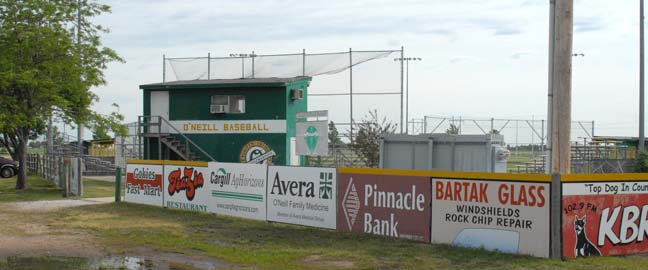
[(150, 126)]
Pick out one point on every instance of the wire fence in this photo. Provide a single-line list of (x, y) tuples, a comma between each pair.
[(378, 85), (520, 135)]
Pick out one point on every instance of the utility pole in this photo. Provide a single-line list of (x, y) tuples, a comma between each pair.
[(642, 138), (79, 124), (552, 23), (561, 86)]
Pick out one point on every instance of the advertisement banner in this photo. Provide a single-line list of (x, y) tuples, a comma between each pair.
[(238, 189), (144, 184), (388, 205), (509, 216), (185, 185), (302, 195), (604, 218)]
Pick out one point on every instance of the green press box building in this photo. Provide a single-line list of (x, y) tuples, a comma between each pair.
[(229, 120)]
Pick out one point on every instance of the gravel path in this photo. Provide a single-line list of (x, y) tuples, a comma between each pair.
[(56, 204)]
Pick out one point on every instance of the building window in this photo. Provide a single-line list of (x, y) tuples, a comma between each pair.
[(227, 104)]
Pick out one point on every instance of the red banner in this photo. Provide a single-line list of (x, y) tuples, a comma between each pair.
[(388, 205), (601, 219)]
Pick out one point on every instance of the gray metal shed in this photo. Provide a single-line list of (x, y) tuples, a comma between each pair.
[(467, 153)]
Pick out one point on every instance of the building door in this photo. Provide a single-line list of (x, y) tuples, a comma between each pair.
[(160, 107)]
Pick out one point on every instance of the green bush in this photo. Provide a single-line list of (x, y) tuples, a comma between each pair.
[(642, 161)]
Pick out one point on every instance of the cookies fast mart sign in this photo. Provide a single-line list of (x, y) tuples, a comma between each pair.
[(388, 205), (509, 216), (144, 184)]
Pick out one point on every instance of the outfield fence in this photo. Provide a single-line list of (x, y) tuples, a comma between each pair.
[(534, 214)]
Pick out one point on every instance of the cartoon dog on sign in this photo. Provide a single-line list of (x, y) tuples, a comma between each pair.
[(584, 247)]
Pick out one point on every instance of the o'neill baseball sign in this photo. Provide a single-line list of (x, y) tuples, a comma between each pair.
[(604, 218), (302, 195), (388, 205), (511, 216)]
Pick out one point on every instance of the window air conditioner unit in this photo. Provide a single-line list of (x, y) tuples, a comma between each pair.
[(296, 94), (219, 108)]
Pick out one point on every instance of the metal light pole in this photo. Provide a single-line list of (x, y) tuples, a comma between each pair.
[(407, 60)]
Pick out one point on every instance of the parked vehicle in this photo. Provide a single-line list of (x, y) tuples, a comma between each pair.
[(8, 168)]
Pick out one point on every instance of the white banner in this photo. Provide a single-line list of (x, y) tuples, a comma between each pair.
[(228, 126), (511, 217), (604, 188), (144, 184), (238, 189), (302, 195), (185, 185)]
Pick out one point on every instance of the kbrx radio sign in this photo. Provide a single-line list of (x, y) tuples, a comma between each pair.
[(604, 218), (301, 195)]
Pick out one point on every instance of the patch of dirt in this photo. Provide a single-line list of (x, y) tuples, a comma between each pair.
[(45, 206), (28, 233), (330, 264)]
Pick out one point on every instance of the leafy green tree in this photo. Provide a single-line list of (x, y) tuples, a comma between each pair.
[(47, 67), (641, 161), (366, 142), (452, 130), (333, 135)]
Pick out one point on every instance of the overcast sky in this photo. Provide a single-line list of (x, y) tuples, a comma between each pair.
[(481, 59)]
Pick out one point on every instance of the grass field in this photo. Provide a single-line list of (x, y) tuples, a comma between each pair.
[(39, 189), (126, 229), (264, 245)]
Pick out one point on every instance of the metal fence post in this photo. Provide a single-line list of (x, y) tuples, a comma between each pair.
[(118, 179), (555, 214)]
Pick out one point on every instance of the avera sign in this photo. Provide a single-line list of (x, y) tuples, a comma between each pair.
[(302, 195), (312, 138)]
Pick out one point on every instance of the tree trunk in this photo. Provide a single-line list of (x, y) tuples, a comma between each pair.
[(21, 151)]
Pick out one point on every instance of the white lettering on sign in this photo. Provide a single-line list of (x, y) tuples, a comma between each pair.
[(396, 200), (628, 230)]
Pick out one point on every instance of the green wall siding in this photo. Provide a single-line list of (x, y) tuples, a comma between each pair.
[(260, 103)]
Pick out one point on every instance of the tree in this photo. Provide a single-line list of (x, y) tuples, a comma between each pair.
[(452, 130), (47, 66), (333, 135), (367, 140)]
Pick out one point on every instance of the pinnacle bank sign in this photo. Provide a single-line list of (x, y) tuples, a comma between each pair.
[(302, 195), (388, 205)]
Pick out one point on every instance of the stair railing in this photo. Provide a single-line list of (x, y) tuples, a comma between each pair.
[(159, 129)]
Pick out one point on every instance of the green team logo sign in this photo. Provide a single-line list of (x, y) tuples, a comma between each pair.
[(312, 138)]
